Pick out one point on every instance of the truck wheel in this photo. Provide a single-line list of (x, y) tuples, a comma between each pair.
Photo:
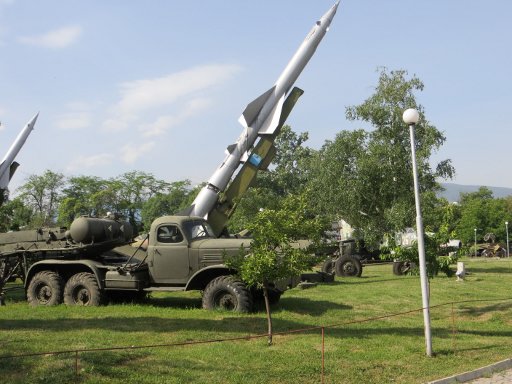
[(328, 266), (274, 295), (45, 288), (82, 289), (402, 267), (229, 293), (348, 266)]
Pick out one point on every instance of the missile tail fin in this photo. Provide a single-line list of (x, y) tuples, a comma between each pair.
[(272, 121), (254, 107), (14, 166), (244, 157), (4, 178)]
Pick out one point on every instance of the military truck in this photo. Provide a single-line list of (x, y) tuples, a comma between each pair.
[(95, 260), (182, 252)]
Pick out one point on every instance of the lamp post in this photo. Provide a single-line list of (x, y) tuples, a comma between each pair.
[(411, 117), (475, 241), (506, 226)]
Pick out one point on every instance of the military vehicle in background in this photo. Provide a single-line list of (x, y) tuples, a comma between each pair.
[(347, 255), (95, 258)]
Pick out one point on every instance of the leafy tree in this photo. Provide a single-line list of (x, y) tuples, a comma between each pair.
[(176, 199), (14, 215), (79, 198), (481, 211), (42, 194), (365, 177), (287, 174), (127, 194), (274, 253)]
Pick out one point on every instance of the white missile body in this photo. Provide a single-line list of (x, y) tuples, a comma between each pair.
[(261, 117), (8, 165)]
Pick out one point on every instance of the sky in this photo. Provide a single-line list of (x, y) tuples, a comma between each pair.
[(158, 86)]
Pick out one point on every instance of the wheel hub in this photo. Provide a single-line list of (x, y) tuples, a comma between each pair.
[(44, 294), (227, 301)]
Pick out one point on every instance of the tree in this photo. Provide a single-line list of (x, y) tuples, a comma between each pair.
[(274, 253), (42, 194), (176, 199), (287, 174), (14, 215), (132, 190), (481, 211), (365, 177), (79, 198)]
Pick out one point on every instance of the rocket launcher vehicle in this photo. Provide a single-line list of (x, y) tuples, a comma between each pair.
[(8, 166), (262, 118)]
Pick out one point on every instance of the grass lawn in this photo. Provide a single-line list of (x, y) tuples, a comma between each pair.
[(390, 349)]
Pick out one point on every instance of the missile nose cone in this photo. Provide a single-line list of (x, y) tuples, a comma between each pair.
[(34, 119), (326, 19)]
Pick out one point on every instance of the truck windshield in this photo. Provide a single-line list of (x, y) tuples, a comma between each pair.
[(198, 230)]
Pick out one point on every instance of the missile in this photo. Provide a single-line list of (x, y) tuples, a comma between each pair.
[(261, 118), (8, 166)]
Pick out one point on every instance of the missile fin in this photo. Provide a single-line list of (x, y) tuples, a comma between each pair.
[(254, 107), (4, 178), (272, 121), (14, 166), (244, 157), (290, 103), (230, 148)]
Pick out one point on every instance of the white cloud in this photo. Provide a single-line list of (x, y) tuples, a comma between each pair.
[(83, 162), (78, 116), (131, 153), (139, 97), (73, 121), (59, 38), (164, 123), (142, 95)]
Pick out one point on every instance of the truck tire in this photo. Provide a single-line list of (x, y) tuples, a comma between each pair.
[(229, 293), (82, 289), (401, 268), (274, 295), (348, 266), (328, 266), (45, 288)]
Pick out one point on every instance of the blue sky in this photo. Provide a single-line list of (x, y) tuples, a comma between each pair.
[(158, 86)]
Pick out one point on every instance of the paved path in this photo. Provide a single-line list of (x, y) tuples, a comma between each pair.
[(498, 373), (503, 377)]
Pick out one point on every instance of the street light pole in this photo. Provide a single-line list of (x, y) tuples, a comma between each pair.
[(411, 117), (475, 241), (506, 226)]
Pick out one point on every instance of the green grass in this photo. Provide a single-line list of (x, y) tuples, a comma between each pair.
[(390, 349)]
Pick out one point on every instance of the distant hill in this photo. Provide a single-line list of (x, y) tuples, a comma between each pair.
[(452, 191)]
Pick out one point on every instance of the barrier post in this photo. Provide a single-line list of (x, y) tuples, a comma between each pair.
[(454, 331), (323, 355)]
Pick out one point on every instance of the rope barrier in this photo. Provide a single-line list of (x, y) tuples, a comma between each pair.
[(322, 329)]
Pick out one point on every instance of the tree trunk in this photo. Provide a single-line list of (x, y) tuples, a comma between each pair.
[(267, 307)]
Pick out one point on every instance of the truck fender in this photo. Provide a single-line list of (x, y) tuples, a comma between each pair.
[(67, 268), (201, 278)]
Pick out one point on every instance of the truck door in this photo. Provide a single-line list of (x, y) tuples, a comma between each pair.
[(169, 255)]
